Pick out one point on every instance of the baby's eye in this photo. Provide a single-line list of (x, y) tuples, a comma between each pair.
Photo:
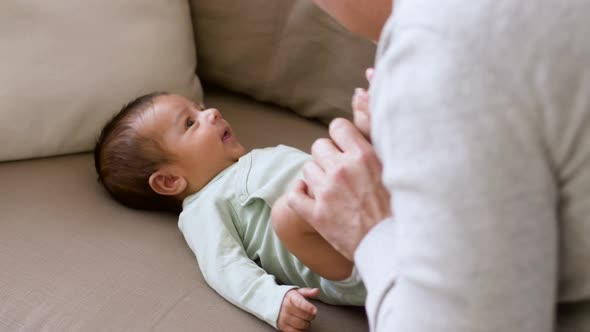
[(189, 122)]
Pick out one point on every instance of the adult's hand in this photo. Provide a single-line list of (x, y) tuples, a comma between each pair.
[(360, 107), (342, 196)]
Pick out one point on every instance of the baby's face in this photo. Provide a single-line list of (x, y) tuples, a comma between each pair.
[(199, 140)]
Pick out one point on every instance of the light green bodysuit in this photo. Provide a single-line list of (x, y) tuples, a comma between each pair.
[(227, 226)]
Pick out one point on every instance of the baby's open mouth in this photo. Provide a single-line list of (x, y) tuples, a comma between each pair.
[(226, 134)]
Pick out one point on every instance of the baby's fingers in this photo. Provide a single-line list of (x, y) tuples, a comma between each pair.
[(295, 323), (309, 292), (304, 314), (303, 308)]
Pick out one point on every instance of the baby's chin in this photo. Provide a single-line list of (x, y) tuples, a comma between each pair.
[(241, 151)]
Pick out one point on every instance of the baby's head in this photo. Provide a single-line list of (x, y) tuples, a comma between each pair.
[(161, 148)]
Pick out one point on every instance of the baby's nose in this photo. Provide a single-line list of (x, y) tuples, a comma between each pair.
[(213, 115)]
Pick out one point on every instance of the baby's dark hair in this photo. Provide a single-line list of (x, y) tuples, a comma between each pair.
[(125, 159)]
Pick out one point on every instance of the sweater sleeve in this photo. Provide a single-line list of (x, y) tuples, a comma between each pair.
[(224, 264), (374, 261), (474, 243)]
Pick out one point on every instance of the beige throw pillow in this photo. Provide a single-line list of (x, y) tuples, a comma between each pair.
[(67, 66), (287, 52)]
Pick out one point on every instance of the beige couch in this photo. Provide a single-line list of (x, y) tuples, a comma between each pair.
[(70, 258)]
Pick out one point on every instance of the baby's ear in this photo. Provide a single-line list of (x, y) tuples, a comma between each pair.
[(165, 182)]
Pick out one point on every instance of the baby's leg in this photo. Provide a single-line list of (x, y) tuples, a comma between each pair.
[(308, 245)]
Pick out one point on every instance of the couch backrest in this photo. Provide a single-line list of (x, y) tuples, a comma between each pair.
[(287, 52), (67, 66)]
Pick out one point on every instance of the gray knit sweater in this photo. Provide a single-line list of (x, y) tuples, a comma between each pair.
[(481, 116)]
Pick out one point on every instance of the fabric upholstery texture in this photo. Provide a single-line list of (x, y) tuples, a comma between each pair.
[(74, 260), (288, 52), (71, 259), (67, 66)]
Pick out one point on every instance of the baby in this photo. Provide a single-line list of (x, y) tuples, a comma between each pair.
[(164, 152)]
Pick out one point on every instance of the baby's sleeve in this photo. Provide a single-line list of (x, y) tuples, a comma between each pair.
[(210, 234), (274, 171)]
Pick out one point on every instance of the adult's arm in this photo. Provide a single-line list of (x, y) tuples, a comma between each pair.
[(474, 243)]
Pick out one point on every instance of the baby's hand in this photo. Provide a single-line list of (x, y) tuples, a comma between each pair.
[(360, 107), (296, 311)]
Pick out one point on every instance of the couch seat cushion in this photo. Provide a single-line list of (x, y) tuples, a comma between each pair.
[(74, 260)]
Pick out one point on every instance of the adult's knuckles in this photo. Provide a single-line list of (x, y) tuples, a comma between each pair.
[(340, 173), (326, 197), (367, 157)]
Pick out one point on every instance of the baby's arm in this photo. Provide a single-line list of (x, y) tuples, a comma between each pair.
[(226, 267)]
